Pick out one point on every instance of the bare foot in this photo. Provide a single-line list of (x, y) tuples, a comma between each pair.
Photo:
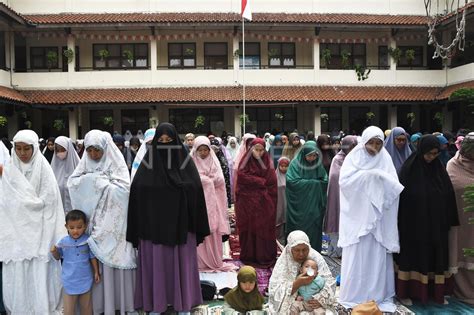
[(408, 302)]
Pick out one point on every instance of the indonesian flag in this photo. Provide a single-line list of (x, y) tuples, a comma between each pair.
[(246, 12)]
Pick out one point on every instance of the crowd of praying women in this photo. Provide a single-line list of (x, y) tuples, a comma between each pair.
[(159, 208)]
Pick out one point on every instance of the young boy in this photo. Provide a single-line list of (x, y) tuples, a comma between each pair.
[(305, 293), (77, 275)]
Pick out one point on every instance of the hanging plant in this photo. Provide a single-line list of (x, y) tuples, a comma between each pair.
[(411, 118), (69, 55), (410, 55), (108, 121), (26, 120), (237, 53), (324, 118), (279, 116), (468, 197), (272, 52), (438, 118), (104, 54), (345, 61), (326, 57), (153, 122), (199, 121), (3, 121), (59, 124), (128, 54), (51, 59), (370, 116), (395, 53), (189, 51), (362, 72), (244, 119)]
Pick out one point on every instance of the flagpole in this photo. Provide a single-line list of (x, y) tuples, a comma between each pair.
[(243, 73)]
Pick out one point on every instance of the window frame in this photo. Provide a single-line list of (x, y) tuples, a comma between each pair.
[(120, 58), (336, 59), (402, 62), (250, 56), (226, 56), (182, 56), (281, 56), (45, 50)]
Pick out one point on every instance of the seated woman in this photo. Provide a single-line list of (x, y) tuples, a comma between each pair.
[(245, 297), (285, 281)]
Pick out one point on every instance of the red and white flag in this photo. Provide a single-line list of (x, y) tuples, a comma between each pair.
[(246, 11)]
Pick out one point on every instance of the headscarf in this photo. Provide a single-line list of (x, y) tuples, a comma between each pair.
[(371, 183), (399, 156), (32, 213), (127, 136), (458, 142), (233, 151), (139, 135), (62, 169), (290, 150), (387, 132), (4, 154), (306, 184), (149, 134), (101, 190), (167, 201), (276, 150), (241, 301), (48, 154), (326, 153), (286, 271), (281, 178), (281, 202), (444, 155), (331, 220), (243, 150), (213, 184)]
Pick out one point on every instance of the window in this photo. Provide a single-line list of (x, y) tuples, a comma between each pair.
[(185, 119), (215, 56), (252, 56), (281, 55), (120, 56), (97, 121), (182, 55), (271, 119), (417, 62), (383, 58), (3, 64), (334, 119), (134, 120), (44, 57), (76, 59), (356, 55)]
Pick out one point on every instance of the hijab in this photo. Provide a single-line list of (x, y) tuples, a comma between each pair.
[(62, 169), (48, 154), (281, 178), (326, 153), (167, 201), (4, 154), (233, 151), (241, 301), (399, 156), (290, 150), (149, 134)]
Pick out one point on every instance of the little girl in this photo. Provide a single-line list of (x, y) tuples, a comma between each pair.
[(77, 276), (281, 169), (305, 293), (245, 297)]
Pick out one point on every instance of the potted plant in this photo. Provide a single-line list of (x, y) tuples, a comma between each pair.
[(237, 53), (108, 121), (395, 53), (128, 54), (279, 116), (59, 124), (199, 121), (26, 120), (324, 118), (69, 55), (438, 118), (51, 59), (370, 116), (244, 119), (104, 54), (411, 118), (362, 72), (345, 61), (3, 121), (326, 57), (272, 52), (410, 56), (189, 51)]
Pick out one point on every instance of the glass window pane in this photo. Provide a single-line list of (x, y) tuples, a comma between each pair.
[(127, 63), (189, 49), (37, 62), (334, 48), (174, 49), (359, 49), (274, 61), (215, 49), (141, 50), (347, 48), (114, 50), (113, 62), (97, 48), (274, 49), (359, 61), (142, 62), (99, 63), (290, 62), (288, 49), (37, 51), (175, 62), (189, 62)]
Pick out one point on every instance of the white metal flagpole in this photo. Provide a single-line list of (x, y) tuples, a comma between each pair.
[(243, 74)]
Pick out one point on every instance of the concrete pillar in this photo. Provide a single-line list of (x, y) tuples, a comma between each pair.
[(71, 44), (235, 46), (11, 60), (12, 125), (316, 54), (393, 45), (229, 120), (117, 120), (73, 124), (345, 117), (392, 116), (447, 119), (7, 39), (85, 120), (317, 120), (154, 59)]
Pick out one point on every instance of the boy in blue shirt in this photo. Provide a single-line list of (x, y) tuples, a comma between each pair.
[(310, 268), (77, 274)]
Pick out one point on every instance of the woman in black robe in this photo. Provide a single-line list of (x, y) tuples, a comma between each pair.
[(426, 213)]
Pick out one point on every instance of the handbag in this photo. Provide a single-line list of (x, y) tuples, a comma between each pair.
[(208, 290), (367, 308)]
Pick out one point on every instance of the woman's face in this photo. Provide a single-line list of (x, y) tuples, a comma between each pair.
[(258, 151), (190, 141), (296, 141), (283, 168), (24, 151), (232, 144), (373, 146), (50, 145), (284, 139), (431, 155), (59, 149), (203, 151), (311, 157), (94, 153), (165, 139), (300, 253), (247, 287), (400, 141)]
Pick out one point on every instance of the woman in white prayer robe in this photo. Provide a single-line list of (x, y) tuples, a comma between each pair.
[(368, 232), (32, 220)]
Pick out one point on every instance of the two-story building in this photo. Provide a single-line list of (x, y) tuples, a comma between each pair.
[(68, 66)]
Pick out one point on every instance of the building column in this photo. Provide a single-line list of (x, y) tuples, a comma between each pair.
[(392, 116), (85, 120), (317, 120), (392, 45), (73, 123), (154, 116), (71, 44), (229, 120), (235, 46), (345, 117), (236, 122), (316, 54), (447, 118), (154, 59), (11, 47), (12, 125), (117, 120)]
